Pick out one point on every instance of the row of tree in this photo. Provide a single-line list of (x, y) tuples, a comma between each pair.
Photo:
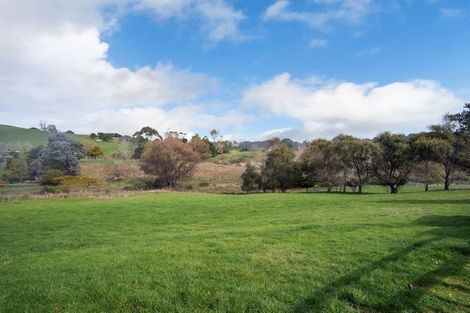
[(389, 159)]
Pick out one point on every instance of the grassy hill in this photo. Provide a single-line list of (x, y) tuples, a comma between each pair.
[(12, 135), (24, 139), (295, 252)]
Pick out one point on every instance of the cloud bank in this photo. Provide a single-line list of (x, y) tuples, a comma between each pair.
[(329, 108), (54, 66)]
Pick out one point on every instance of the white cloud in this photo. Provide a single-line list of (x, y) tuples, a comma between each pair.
[(277, 132), (369, 53), (54, 66), (351, 11), (318, 43), (329, 108), (449, 13), (219, 19), (185, 118)]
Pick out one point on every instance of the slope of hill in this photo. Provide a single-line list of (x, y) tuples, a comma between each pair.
[(12, 135), (24, 139)]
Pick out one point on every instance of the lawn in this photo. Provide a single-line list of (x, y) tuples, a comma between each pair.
[(294, 252)]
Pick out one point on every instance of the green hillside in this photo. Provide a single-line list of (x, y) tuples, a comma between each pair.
[(25, 139), (17, 136)]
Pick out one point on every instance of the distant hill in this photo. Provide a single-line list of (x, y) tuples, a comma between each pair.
[(17, 138), (11, 135), (264, 145)]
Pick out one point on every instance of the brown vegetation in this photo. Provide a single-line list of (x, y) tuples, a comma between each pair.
[(170, 160)]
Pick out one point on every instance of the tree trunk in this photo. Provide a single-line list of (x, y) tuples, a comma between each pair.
[(447, 185), (447, 181), (393, 189), (359, 189), (426, 173)]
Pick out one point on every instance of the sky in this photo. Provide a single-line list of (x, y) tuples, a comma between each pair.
[(253, 69)]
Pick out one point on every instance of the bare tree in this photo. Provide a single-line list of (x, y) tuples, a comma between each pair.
[(126, 149)]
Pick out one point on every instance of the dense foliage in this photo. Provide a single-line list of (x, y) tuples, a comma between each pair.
[(440, 155), (170, 160)]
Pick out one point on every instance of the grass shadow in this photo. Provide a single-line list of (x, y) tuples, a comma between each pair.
[(408, 298), (426, 201)]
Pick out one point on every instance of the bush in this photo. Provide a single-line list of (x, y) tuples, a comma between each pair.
[(204, 184), (47, 190), (47, 178), (76, 181), (251, 179), (16, 169), (146, 184)]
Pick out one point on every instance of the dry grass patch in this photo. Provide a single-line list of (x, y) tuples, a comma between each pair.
[(217, 178), (99, 170)]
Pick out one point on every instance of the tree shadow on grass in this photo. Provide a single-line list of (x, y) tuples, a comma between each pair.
[(426, 201), (409, 296)]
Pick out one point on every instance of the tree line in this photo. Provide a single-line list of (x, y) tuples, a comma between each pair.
[(438, 155), (392, 160)]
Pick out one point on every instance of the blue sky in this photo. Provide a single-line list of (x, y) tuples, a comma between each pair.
[(253, 69)]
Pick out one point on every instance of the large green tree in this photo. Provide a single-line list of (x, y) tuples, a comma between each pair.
[(356, 158), (428, 151), (394, 160), (63, 154), (278, 171), (455, 155), (321, 158), (16, 168), (251, 178), (142, 138)]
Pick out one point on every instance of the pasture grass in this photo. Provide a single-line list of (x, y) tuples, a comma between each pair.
[(190, 252), (24, 139), (235, 156), (109, 148), (20, 138)]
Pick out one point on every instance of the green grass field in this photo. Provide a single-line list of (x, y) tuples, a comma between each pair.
[(295, 252)]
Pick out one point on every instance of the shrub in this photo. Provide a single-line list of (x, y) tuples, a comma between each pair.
[(251, 179), (47, 178), (204, 184), (16, 169), (146, 184), (47, 190), (76, 181)]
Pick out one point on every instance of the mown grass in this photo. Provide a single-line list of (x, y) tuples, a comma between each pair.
[(295, 252)]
